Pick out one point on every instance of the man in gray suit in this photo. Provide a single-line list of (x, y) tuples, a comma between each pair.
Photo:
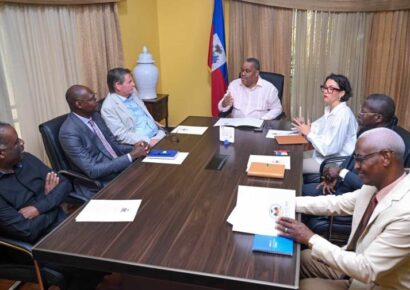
[(89, 144)]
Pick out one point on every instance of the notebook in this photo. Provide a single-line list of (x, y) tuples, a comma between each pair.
[(270, 244), (291, 139), (266, 170), (166, 154)]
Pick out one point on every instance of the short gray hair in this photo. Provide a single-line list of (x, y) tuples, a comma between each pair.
[(384, 138)]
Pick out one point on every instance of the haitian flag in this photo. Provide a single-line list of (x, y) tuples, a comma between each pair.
[(217, 57)]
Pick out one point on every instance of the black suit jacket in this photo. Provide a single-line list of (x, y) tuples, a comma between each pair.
[(25, 187)]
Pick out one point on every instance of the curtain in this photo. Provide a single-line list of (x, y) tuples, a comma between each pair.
[(327, 42), (45, 50), (389, 60), (261, 32), (337, 6)]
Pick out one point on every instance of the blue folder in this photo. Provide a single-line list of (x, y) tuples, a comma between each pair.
[(270, 244), (158, 153)]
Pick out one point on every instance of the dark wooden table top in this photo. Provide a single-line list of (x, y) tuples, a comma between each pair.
[(180, 232)]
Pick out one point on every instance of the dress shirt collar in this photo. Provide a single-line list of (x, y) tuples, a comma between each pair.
[(385, 190), (339, 107), (17, 166), (83, 119), (258, 84)]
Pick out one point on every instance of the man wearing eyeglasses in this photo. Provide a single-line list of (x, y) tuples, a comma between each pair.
[(378, 110), (377, 255)]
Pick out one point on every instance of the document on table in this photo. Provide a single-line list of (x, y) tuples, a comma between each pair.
[(193, 130), (109, 211), (285, 160), (273, 133), (179, 158), (258, 208), (236, 122)]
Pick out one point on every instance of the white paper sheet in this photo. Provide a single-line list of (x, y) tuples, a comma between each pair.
[(179, 158), (285, 160), (272, 133), (258, 208), (193, 130), (235, 122), (109, 211)]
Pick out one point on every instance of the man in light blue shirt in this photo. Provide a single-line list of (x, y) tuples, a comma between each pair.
[(125, 113)]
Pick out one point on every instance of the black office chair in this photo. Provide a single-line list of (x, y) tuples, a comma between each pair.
[(274, 78), (49, 132), (17, 264)]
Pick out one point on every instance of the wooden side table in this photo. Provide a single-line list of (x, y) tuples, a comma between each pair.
[(158, 108)]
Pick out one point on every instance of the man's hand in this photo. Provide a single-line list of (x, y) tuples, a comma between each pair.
[(29, 212), (228, 100), (140, 149), (331, 173), (328, 186), (52, 180), (294, 230), (300, 125)]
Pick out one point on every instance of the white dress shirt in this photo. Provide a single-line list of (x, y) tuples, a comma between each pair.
[(259, 102), (334, 134)]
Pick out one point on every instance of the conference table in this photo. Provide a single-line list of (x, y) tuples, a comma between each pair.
[(180, 232)]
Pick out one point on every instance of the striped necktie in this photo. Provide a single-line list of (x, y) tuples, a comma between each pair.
[(104, 141)]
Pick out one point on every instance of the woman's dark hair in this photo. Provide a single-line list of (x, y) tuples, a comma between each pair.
[(344, 85)]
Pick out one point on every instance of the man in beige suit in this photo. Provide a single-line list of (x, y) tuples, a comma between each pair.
[(377, 255)]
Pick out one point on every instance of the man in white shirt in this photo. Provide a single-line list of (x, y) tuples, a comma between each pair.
[(377, 255), (251, 96)]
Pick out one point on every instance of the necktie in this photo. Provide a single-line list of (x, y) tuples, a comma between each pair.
[(363, 222), (104, 141)]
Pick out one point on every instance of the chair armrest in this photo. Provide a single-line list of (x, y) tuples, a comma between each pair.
[(81, 177), (77, 198), (17, 245), (329, 160)]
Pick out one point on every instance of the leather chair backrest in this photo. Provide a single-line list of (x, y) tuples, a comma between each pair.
[(276, 79), (49, 132)]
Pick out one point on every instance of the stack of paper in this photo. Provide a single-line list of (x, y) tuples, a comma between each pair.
[(109, 211), (236, 122), (285, 160), (258, 208), (194, 130), (273, 133)]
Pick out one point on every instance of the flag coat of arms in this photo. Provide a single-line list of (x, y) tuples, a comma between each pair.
[(217, 57)]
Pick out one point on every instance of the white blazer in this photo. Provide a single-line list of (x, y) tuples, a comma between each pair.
[(382, 256)]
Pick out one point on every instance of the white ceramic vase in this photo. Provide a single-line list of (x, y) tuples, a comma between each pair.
[(146, 76)]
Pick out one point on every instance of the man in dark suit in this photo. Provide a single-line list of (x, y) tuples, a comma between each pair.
[(89, 144), (30, 192), (377, 110), (30, 198)]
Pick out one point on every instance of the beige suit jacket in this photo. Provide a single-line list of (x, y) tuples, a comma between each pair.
[(382, 256)]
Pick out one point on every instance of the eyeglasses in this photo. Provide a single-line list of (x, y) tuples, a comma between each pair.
[(367, 113), (362, 158), (329, 89)]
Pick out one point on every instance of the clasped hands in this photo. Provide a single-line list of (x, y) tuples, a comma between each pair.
[(141, 148), (52, 180), (300, 125), (331, 176)]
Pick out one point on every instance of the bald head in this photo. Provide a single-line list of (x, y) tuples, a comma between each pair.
[(390, 141), (81, 100), (379, 157)]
